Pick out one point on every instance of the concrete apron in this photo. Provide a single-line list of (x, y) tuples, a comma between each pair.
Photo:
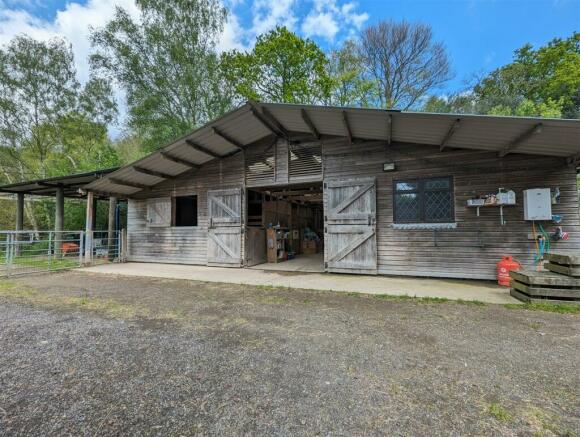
[(484, 291)]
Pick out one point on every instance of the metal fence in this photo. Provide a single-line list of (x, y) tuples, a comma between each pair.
[(23, 252)]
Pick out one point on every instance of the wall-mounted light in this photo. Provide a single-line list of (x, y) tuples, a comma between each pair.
[(388, 166)]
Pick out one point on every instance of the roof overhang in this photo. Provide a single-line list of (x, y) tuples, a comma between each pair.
[(251, 122), (70, 184)]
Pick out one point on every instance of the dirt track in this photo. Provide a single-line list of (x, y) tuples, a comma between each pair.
[(90, 354)]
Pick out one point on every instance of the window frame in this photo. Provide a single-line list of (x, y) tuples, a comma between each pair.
[(421, 190), (174, 211)]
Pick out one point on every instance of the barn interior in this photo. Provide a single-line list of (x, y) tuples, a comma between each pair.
[(285, 228)]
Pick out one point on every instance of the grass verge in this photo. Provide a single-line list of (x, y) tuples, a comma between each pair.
[(549, 307), (106, 307)]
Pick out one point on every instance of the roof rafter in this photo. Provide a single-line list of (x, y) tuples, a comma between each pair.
[(227, 138), (309, 123), (449, 134), (268, 124), (155, 173), (179, 160), (389, 129), (267, 114), (202, 149), (346, 125), (129, 184), (537, 128)]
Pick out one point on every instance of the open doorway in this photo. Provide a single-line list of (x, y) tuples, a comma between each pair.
[(285, 228)]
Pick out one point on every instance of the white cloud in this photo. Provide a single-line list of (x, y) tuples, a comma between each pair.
[(327, 18), (232, 36), (323, 18), (320, 24), (269, 14), (72, 23)]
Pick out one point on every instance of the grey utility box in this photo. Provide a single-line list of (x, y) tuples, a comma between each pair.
[(537, 204)]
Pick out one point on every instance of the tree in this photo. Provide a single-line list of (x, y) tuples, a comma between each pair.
[(167, 64), (349, 86), (282, 67), (404, 61), (457, 103), (49, 124), (542, 82), (38, 90)]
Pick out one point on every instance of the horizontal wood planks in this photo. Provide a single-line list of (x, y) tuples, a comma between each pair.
[(472, 249), (183, 245), (544, 286)]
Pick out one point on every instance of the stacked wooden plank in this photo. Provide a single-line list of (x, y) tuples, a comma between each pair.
[(559, 284), (568, 265)]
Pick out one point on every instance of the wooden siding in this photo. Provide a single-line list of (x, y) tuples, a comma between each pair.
[(181, 245), (472, 249)]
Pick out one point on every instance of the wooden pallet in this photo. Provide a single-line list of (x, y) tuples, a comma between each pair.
[(544, 286), (568, 265)]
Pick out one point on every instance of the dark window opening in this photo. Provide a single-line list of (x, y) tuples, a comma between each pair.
[(185, 211), (424, 201)]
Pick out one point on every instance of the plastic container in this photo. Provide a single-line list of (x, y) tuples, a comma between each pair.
[(504, 267)]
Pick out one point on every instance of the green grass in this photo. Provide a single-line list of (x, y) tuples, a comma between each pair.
[(107, 307), (41, 262), (499, 412), (406, 297), (562, 308)]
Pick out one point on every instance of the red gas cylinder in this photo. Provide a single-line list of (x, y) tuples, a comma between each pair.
[(504, 267)]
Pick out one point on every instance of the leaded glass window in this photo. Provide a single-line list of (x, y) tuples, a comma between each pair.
[(424, 201)]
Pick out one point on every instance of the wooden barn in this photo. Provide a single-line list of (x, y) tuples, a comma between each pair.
[(353, 190)]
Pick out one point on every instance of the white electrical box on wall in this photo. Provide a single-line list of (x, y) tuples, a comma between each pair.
[(537, 204)]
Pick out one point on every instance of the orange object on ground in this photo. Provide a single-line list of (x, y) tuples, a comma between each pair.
[(67, 248), (504, 267)]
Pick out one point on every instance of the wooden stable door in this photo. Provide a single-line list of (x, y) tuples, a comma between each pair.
[(350, 226), (224, 243)]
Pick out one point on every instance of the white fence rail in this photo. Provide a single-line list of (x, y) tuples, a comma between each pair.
[(24, 252)]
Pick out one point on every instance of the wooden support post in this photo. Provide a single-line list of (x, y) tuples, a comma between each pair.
[(113, 240), (20, 212), (19, 219), (89, 226), (58, 219)]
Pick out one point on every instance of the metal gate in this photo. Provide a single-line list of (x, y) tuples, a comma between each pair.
[(224, 243), (350, 226), (24, 252)]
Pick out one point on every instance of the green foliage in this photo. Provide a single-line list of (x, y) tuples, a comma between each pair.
[(539, 82), (282, 67), (349, 86), (167, 64), (50, 125)]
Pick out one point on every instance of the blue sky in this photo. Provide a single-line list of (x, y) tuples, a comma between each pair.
[(480, 35)]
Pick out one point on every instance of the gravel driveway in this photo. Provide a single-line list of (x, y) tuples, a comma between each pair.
[(90, 354)]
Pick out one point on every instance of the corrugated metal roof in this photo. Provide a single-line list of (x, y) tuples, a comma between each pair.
[(554, 137), (48, 186)]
